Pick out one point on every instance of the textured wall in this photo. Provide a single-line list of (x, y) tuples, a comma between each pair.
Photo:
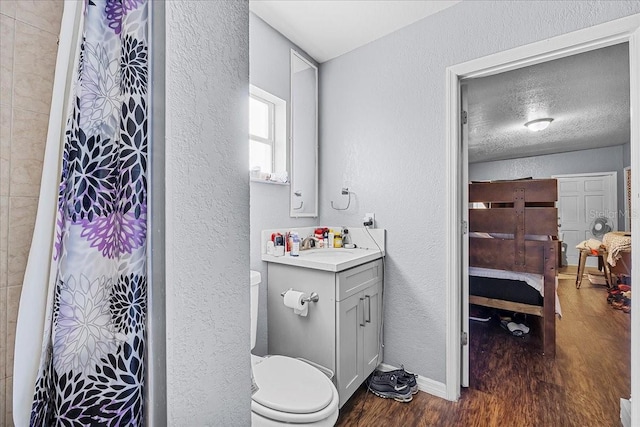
[(269, 59), (608, 159), (207, 197), (28, 34), (626, 155), (382, 133)]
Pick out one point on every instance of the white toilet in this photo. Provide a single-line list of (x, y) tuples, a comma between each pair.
[(290, 391)]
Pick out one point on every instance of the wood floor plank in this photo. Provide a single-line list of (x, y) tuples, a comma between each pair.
[(512, 384)]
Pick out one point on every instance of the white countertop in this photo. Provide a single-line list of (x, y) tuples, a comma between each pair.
[(331, 259)]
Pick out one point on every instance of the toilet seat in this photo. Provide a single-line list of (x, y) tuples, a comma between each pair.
[(293, 391)]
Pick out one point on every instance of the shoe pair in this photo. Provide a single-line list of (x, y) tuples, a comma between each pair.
[(403, 377), (388, 386), (622, 303)]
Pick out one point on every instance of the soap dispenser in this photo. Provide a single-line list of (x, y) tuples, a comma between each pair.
[(346, 238)]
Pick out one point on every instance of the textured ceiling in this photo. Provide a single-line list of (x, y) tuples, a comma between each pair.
[(587, 95)]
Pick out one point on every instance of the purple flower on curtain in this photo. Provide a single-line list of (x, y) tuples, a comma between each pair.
[(115, 234), (115, 11)]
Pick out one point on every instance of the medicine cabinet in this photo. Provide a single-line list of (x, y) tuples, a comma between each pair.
[(304, 137)]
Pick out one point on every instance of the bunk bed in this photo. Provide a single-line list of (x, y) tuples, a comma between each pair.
[(513, 248)]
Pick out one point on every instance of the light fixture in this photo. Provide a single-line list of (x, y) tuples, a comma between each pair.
[(538, 124)]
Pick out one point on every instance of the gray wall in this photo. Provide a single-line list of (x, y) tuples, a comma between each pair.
[(207, 213), (626, 155), (607, 159), (382, 133), (269, 70)]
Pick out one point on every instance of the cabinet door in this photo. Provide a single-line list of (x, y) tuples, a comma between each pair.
[(350, 323), (372, 308)]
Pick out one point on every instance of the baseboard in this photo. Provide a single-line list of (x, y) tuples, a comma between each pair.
[(434, 388), (625, 412)]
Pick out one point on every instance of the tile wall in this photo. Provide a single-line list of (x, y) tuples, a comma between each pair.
[(28, 46)]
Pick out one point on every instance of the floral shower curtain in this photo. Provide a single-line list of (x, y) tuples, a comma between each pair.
[(92, 367)]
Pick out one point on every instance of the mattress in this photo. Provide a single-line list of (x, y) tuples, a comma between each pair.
[(504, 289), (481, 235), (527, 288)]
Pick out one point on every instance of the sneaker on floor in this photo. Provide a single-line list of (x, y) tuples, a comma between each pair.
[(387, 386), (404, 377)]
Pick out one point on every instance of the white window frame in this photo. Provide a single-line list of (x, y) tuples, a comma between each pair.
[(277, 128), (270, 139)]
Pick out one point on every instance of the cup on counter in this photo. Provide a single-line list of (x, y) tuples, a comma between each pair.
[(278, 251)]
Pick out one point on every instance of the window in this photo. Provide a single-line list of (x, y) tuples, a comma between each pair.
[(267, 135), (261, 134)]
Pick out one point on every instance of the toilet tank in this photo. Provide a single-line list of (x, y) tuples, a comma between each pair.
[(255, 290)]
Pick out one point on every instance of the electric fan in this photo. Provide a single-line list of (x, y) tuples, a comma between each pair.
[(600, 226)]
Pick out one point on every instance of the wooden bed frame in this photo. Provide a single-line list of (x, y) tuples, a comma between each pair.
[(520, 208)]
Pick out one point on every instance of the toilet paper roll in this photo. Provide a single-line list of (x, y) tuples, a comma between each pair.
[(295, 300)]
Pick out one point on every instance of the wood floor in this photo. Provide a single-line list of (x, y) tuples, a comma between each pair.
[(512, 384)]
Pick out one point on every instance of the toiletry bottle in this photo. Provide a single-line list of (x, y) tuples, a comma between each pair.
[(346, 239), (325, 238), (331, 238), (295, 245), (337, 238)]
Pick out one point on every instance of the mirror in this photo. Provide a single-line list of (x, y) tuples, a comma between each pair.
[(304, 137)]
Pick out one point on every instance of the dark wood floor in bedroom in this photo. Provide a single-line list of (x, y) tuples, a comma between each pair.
[(511, 384)]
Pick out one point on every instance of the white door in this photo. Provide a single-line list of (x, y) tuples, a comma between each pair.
[(581, 199)]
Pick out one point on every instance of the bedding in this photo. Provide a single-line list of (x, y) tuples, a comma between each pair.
[(536, 281), (616, 242)]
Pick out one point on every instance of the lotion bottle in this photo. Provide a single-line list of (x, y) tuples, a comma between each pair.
[(295, 244)]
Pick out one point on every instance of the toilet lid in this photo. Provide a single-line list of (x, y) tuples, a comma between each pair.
[(291, 385)]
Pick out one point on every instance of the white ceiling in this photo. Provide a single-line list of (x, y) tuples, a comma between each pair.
[(326, 29), (587, 95)]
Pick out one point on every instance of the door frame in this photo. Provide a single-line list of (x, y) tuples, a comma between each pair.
[(613, 190), (627, 210), (621, 30)]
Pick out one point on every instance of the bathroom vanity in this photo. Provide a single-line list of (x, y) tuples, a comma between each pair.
[(342, 330)]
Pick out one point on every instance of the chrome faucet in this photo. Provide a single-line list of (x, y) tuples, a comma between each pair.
[(308, 242)]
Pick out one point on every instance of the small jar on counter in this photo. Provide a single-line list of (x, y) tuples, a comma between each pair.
[(337, 238)]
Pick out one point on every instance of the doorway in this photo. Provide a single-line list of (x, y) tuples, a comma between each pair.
[(619, 31), (583, 199)]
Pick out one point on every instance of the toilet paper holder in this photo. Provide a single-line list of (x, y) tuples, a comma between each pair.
[(311, 298)]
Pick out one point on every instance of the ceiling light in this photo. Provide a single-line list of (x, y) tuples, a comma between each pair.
[(538, 124)]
